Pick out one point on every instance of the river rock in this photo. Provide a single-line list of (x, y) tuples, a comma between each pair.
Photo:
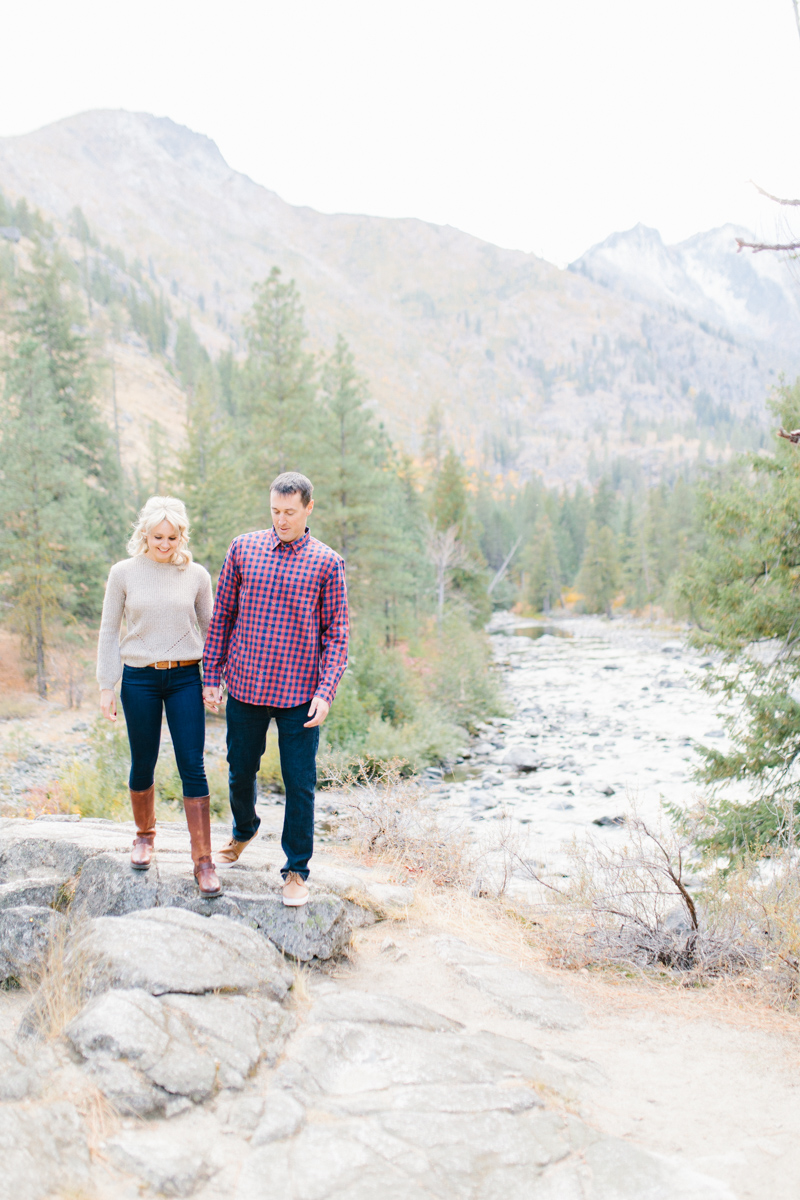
[(523, 758), (24, 935), (172, 950), (521, 992), (41, 891)]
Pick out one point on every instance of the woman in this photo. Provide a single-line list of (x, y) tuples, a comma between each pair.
[(166, 601)]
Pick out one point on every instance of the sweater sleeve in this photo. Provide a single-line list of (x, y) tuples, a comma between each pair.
[(109, 662), (204, 603)]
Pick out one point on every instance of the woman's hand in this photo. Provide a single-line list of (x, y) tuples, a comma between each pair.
[(108, 704)]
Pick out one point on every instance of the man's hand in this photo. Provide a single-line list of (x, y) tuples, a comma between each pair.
[(212, 698), (108, 704), (318, 710)]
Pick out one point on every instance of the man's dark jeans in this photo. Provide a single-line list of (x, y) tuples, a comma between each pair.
[(145, 693), (247, 741)]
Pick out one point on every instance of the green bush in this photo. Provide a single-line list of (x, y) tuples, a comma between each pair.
[(463, 685)]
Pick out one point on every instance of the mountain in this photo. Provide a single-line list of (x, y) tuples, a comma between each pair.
[(705, 277), (634, 352)]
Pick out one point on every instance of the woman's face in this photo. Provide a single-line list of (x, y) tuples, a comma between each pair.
[(162, 542)]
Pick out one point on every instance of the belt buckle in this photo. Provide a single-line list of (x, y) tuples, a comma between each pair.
[(161, 666)]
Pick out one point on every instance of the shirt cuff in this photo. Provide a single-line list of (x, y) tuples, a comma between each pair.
[(212, 676), (325, 693)]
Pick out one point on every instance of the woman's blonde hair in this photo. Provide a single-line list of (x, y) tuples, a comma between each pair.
[(156, 510)]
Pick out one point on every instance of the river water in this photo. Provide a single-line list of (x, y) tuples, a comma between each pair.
[(608, 712)]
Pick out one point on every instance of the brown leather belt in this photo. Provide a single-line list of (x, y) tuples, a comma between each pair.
[(167, 665)]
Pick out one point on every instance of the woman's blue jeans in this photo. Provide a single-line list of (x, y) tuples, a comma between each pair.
[(145, 692), (247, 741)]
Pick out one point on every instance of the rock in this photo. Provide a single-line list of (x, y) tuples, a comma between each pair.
[(619, 1171), (174, 1045), (170, 1166), (371, 1009), (91, 858), (43, 1151), (282, 1116), (522, 993), (24, 935), (240, 1114), (388, 944), (41, 891), (171, 950), (17, 1078), (23, 854), (607, 791), (523, 758), (602, 821), (391, 895)]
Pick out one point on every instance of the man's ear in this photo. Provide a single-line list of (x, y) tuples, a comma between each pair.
[(310, 505)]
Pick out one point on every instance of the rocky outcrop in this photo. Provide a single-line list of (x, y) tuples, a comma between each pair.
[(50, 865)]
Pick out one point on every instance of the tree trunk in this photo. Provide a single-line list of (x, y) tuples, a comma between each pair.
[(41, 678)]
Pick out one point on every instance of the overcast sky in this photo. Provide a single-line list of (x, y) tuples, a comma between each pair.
[(543, 125)]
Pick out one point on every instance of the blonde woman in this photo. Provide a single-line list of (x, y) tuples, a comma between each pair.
[(166, 601)]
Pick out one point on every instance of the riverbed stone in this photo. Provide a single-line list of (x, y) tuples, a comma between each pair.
[(521, 992), (169, 1164)]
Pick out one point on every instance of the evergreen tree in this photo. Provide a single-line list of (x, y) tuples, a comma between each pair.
[(207, 479), (598, 579), (543, 568), (360, 504), (47, 313), (450, 508), (48, 556), (278, 388)]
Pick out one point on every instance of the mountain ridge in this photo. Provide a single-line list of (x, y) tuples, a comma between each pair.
[(517, 352)]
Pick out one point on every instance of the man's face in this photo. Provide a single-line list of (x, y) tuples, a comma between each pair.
[(288, 515)]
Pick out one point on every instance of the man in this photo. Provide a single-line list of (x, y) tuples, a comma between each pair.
[(279, 633)]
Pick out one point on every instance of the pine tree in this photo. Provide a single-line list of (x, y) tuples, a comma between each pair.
[(278, 386), (47, 312), (598, 579), (543, 568), (359, 500), (450, 508), (48, 554), (207, 479)]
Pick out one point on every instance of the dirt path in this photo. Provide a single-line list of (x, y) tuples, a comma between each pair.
[(676, 1074)]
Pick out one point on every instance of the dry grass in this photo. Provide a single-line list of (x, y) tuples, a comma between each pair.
[(61, 982), (391, 819)]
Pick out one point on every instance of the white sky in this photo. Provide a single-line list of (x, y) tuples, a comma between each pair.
[(537, 124)]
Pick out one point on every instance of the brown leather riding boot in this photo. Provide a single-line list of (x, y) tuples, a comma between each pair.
[(144, 814), (198, 818)]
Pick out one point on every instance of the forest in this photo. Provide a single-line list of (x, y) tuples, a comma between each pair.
[(431, 547)]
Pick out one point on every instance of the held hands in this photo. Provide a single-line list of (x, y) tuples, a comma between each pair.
[(318, 710), (108, 704), (212, 698)]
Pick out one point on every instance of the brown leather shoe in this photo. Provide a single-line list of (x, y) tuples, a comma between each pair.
[(295, 892), (229, 854), (198, 818), (144, 814)]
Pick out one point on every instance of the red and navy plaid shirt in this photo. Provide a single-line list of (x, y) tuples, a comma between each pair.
[(279, 628)]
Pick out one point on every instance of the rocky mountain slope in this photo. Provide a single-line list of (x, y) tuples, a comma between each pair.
[(536, 368)]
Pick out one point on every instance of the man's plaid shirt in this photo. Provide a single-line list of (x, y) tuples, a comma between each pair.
[(279, 628)]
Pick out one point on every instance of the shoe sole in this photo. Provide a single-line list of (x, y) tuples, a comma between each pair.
[(223, 866), (295, 903), (140, 866)]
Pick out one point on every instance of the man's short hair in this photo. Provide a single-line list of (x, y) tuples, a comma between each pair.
[(290, 482)]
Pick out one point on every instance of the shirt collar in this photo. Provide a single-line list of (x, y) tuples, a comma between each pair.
[(296, 546)]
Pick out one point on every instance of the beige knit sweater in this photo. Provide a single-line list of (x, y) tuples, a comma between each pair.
[(166, 609)]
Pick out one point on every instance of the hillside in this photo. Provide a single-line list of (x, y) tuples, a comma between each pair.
[(537, 368)]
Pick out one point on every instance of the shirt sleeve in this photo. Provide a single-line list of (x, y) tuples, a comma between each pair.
[(223, 619), (204, 603), (109, 661), (334, 633)]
